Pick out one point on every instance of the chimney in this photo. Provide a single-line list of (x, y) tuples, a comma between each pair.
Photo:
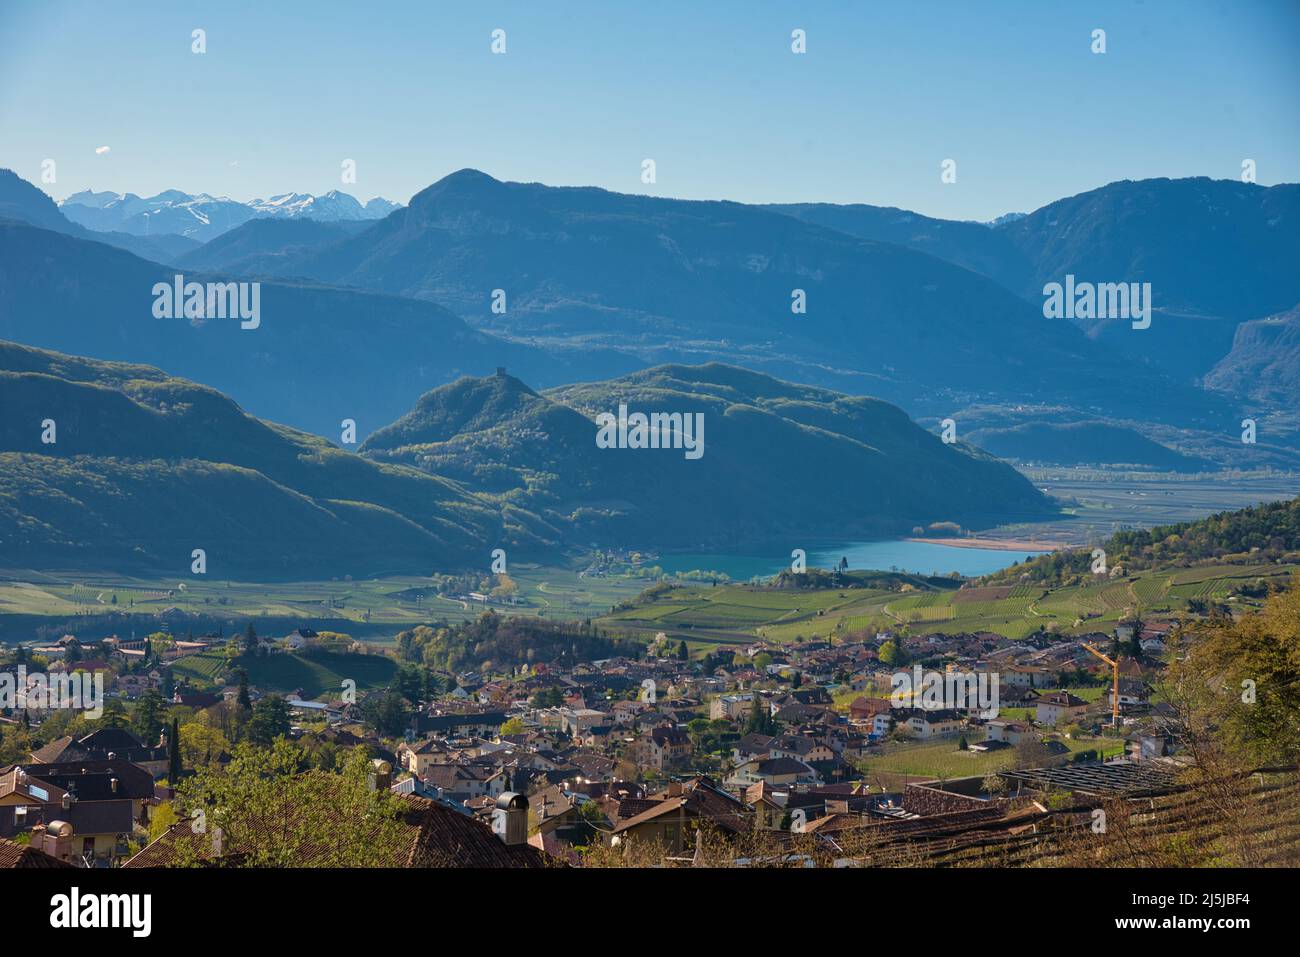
[(54, 839), (381, 775), (510, 818)]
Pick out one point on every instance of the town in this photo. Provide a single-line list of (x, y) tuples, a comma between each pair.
[(643, 753)]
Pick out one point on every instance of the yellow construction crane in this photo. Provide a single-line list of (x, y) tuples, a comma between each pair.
[(1114, 666)]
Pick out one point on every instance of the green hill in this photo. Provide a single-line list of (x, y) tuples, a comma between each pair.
[(1260, 534), (147, 468), (779, 461)]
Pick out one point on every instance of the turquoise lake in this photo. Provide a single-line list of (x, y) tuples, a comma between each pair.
[(920, 557)]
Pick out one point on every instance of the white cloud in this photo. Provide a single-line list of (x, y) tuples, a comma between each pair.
[(101, 150)]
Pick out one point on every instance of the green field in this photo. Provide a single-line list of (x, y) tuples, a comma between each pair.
[(705, 615), (375, 609), (320, 673)]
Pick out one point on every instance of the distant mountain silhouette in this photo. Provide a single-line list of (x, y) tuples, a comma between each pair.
[(1084, 443), (320, 354), (976, 246), (1208, 247), (23, 202), (1216, 252), (202, 217), (1264, 363), (667, 278), (259, 246)]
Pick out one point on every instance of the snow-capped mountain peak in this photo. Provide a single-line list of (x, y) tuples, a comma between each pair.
[(203, 216)]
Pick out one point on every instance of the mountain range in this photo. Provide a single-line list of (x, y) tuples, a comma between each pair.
[(146, 467), (202, 217), (672, 280), (564, 284)]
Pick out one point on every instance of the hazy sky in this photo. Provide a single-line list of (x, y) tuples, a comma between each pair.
[(886, 91)]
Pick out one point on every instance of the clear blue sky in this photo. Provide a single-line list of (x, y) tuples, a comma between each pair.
[(886, 91)]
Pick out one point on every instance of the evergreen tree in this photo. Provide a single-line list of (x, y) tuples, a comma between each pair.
[(174, 752), (245, 701), (148, 721), (250, 640), (270, 720), (760, 718)]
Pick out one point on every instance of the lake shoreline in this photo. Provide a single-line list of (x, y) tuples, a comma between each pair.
[(994, 544)]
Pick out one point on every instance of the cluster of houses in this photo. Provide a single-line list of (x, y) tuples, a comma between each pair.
[(650, 750)]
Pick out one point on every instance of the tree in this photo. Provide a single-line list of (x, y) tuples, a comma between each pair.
[(148, 720), (892, 654), (270, 720), (513, 726), (760, 717), (272, 812), (250, 640), (505, 589), (245, 701), (412, 682), (115, 715), (683, 653), (962, 744), (386, 714), (163, 817), (201, 744), (174, 753), (1234, 684)]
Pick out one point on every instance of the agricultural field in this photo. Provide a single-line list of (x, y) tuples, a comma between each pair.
[(374, 609), (704, 614), (313, 675)]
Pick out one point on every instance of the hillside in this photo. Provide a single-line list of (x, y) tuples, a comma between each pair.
[(691, 281), (781, 461), (979, 248), (1264, 362), (147, 467), (1084, 443), (1208, 247), (319, 355), (22, 202), (259, 246), (1216, 252), (1257, 535)]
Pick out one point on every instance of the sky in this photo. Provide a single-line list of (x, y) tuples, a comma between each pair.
[(886, 92)]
